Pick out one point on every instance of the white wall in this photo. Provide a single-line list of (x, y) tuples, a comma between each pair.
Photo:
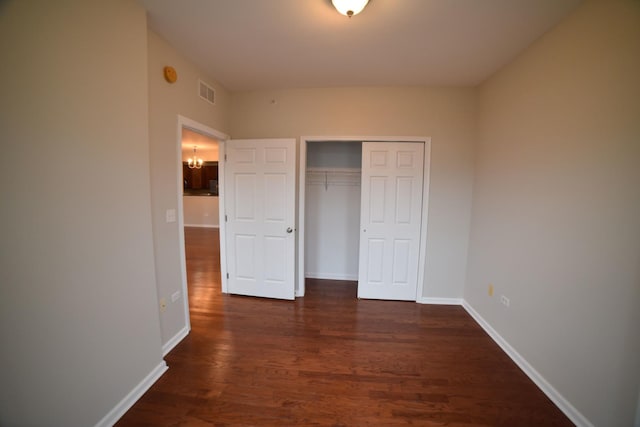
[(332, 235), (447, 115), (78, 322), (166, 102), (556, 208), (201, 211)]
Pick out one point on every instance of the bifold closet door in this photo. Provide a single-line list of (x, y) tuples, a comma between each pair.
[(390, 220)]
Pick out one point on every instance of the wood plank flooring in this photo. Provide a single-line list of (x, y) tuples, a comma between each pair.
[(329, 359)]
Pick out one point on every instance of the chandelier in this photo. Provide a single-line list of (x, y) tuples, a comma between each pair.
[(195, 162)]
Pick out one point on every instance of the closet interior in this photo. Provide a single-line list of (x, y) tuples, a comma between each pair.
[(332, 209)]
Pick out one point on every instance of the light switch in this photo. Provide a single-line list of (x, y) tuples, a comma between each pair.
[(171, 215)]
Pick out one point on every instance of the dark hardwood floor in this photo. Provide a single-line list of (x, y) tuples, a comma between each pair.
[(329, 359)]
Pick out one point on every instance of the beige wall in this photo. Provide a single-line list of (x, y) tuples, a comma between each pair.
[(78, 320), (556, 212), (446, 115), (166, 102)]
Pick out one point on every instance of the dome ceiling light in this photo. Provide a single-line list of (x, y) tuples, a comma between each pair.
[(349, 7)]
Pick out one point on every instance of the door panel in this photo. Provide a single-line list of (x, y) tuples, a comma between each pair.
[(376, 258), (260, 175), (391, 216), (275, 204), (404, 191), (377, 204), (401, 254), (275, 272), (245, 196), (245, 248)]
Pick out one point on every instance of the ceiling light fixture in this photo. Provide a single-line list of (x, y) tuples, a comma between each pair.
[(349, 7), (195, 162)]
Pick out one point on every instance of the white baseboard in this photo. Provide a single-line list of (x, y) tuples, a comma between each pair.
[(130, 399), (174, 341), (569, 410), (331, 276), (440, 301), (203, 225)]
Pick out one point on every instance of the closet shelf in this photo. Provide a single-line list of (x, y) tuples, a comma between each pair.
[(333, 177)]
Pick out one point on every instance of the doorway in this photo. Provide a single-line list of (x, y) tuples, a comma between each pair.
[(199, 204)]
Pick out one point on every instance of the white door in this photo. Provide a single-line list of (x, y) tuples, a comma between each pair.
[(260, 217), (390, 220)]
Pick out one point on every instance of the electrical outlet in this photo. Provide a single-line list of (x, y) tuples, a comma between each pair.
[(504, 300), (175, 296), (163, 304), (490, 289)]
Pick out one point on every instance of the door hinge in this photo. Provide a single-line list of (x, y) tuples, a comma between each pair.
[(225, 218), (225, 157), (227, 275)]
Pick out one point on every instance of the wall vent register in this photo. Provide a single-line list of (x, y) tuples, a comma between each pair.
[(206, 92)]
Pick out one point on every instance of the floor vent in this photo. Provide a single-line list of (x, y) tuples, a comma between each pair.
[(206, 92)]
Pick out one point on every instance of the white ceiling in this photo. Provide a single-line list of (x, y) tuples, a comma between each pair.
[(279, 44)]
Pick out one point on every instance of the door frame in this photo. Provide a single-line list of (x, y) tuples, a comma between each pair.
[(185, 122), (302, 163)]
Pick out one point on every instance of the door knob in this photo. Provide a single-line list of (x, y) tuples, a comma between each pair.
[(289, 230)]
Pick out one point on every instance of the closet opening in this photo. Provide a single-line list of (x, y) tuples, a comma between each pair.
[(363, 204), (332, 211)]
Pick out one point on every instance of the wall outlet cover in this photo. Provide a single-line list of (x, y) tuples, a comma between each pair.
[(171, 215), (175, 296)]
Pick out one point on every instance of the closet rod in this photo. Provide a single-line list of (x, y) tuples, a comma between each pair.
[(333, 177)]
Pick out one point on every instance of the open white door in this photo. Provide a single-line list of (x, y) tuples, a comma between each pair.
[(260, 217), (390, 220)]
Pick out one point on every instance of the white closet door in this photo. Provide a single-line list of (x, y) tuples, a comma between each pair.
[(260, 204), (390, 220)]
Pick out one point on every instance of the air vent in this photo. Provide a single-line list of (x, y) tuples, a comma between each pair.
[(206, 92)]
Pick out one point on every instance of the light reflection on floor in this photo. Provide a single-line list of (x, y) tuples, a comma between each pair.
[(202, 247)]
